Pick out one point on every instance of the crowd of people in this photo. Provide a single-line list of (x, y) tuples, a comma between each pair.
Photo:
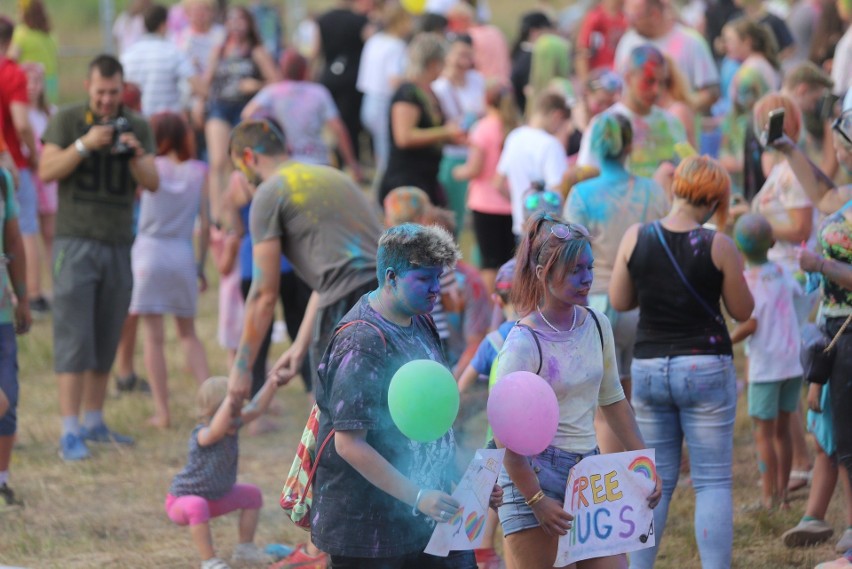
[(647, 183)]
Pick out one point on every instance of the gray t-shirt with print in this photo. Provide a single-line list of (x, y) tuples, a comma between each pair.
[(328, 229)]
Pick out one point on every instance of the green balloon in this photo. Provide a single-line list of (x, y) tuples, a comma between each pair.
[(424, 400)]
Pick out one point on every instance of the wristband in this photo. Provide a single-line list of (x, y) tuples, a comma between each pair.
[(81, 148), (538, 497), (414, 511)]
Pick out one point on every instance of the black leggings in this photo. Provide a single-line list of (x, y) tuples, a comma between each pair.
[(494, 237), (294, 294), (840, 394)]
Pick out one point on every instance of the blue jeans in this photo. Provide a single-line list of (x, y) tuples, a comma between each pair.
[(551, 467), (375, 116), (9, 378), (692, 397)]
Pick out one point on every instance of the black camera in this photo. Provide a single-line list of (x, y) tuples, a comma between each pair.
[(120, 125)]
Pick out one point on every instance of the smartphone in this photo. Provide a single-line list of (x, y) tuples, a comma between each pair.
[(776, 126), (826, 106)]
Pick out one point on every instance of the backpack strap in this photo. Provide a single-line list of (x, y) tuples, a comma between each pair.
[(332, 431), (496, 339), (597, 325), (368, 323), (537, 345)]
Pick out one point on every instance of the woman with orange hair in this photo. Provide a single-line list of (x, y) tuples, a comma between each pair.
[(166, 274), (684, 385)]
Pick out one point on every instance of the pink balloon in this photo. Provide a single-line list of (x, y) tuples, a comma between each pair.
[(523, 412)]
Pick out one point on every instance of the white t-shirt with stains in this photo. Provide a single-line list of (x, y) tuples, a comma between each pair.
[(582, 375)]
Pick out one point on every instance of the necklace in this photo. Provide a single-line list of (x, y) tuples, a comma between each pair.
[(554, 328)]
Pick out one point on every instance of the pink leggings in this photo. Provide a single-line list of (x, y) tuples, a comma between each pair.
[(194, 510)]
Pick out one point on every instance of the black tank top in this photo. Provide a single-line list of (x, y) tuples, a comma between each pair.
[(671, 320)]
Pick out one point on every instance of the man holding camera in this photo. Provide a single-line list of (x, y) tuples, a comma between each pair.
[(99, 152)]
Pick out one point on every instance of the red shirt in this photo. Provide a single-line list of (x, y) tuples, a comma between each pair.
[(13, 89), (599, 35)]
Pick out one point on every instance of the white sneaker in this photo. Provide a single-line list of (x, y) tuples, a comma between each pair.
[(806, 533), (214, 563), (250, 553)]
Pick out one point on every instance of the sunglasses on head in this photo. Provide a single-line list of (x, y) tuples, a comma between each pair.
[(562, 230), (842, 125), (542, 200)]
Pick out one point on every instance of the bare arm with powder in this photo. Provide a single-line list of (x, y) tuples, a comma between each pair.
[(352, 446), (259, 308), (622, 292)]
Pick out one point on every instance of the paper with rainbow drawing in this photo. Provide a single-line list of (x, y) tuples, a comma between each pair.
[(465, 529), (608, 496)]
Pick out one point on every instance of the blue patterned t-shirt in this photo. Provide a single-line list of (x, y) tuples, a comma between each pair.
[(210, 471)]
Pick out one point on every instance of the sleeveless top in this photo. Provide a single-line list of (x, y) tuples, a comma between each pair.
[(671, 320), (170, 212), (210, 471), (230, 70)]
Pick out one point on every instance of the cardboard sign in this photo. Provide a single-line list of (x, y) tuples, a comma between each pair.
[(465, 529), (608, 496)]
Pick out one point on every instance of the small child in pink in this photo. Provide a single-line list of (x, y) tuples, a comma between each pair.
[(207, 486)]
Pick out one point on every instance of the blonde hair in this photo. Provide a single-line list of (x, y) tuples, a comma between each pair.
[(701, 181), (425, 48), (211, 394), (557, 256), (677, 84), (759, 35)]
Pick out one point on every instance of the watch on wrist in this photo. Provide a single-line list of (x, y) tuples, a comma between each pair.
[(81, 148)]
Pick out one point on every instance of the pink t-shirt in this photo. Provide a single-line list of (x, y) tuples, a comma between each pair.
[(491, 53), (482, 194)]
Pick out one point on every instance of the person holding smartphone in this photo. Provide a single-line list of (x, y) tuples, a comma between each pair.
[(781, 199)]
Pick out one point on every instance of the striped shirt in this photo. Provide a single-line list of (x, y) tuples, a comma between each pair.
[(159, 68)]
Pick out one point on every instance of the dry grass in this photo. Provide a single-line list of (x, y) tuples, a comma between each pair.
[(108, 511)]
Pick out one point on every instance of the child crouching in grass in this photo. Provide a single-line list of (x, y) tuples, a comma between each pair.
[(774, 369), (207, 486)]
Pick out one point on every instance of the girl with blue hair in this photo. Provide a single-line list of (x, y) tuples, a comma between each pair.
[(607, 206)]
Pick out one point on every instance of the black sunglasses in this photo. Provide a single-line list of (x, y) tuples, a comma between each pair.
[(842, 125)]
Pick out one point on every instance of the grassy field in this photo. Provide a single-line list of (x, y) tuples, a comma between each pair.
[(108, 511)]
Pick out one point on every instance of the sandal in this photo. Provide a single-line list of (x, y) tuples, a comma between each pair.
[(799, 479), (215, 563)]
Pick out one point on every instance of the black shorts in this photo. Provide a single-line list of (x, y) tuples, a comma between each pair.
[(494, 237)]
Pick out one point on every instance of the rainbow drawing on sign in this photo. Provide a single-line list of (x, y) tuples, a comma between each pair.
[(473, 526), (456, 517), (643, 465)]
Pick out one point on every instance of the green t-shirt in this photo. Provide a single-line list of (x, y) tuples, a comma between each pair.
[(39, 47), (96, 199), (8, 211)]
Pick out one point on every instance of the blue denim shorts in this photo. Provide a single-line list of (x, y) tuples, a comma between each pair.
[(228, 111), (27, 202), (9, 378), (551, 467)]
